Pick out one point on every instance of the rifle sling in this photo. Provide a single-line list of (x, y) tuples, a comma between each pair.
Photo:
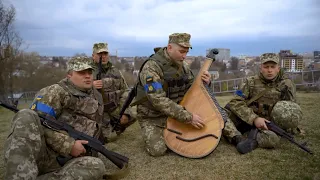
[(257, 96), (144, 99)]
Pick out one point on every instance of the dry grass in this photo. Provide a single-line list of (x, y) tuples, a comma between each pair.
[(286, 162)]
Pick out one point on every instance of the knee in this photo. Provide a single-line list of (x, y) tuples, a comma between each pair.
[(92, 162), (94, 165), (157, 148), (229, 131), (153, 138), (267, 139), (26, 116), (26, 123)]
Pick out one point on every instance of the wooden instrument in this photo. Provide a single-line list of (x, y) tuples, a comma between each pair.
[(186, 140)]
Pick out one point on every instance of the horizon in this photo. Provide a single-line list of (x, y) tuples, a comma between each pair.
[(135, 27)]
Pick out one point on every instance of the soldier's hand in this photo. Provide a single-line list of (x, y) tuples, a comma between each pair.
[(206, 77), (261, 123), (78, 149), (97, 84), (124, 119), (197, 122)]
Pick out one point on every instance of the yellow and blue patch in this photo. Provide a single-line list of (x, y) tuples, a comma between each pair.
[(240, 93), (151, 86), (41, 107)]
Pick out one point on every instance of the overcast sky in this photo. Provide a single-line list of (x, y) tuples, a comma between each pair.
[(134, 27)]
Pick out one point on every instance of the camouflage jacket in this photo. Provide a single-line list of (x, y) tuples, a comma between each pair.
[(66, 103), (115, 90), (281, 88), (151, 78)]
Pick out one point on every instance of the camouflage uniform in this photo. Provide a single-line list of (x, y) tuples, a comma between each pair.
[(157, 99), (162, 85), (31, 149), (115, 91), (156, 49), (276, 104)]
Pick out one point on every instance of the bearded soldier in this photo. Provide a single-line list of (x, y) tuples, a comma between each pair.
[(163, 80)]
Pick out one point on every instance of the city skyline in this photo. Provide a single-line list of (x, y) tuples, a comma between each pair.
[(135, 27)]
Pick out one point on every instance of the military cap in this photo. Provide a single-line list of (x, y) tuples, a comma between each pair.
[(79, 63), (100, 47), (266, 57), (183, 39)]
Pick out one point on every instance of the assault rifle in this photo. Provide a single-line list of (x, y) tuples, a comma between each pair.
[(100, 69), (272, 127), (93, 143), (98, 77), (115, 123)]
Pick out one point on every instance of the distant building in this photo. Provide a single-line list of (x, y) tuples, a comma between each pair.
[(113, 59), (224, 54), (291, 62), (250, 58), (316, 55), (241, 63)]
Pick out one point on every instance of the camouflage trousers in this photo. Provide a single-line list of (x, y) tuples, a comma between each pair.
[(230, 130), (152, 133), (26, 155), (107, 132), (265, 138)]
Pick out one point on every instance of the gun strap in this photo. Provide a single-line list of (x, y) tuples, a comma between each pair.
[(144, 99), (257, 96), (119, 174)]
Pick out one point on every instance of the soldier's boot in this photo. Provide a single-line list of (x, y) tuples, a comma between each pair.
[(122, 127), (250, 143), (237, 139)]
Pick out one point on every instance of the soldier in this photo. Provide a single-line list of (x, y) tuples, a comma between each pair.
[(114, 90), (269, 96), (31, 149), (163, 80), (156, 49)]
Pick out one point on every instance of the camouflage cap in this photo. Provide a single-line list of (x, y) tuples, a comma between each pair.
[(183, 39), (100, 47), (79, 63), (266, 57)]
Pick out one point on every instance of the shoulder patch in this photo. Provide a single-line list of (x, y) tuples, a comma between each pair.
[(149, 79), (44, 108), (151, 86), (240, 93), (39, 97)]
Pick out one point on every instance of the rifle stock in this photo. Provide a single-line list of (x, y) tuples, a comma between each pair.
[(93, 143)]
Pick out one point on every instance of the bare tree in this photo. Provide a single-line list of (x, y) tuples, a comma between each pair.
[(234, 63), (196, 65), (80, 54), (10, 43), (138, 61)]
